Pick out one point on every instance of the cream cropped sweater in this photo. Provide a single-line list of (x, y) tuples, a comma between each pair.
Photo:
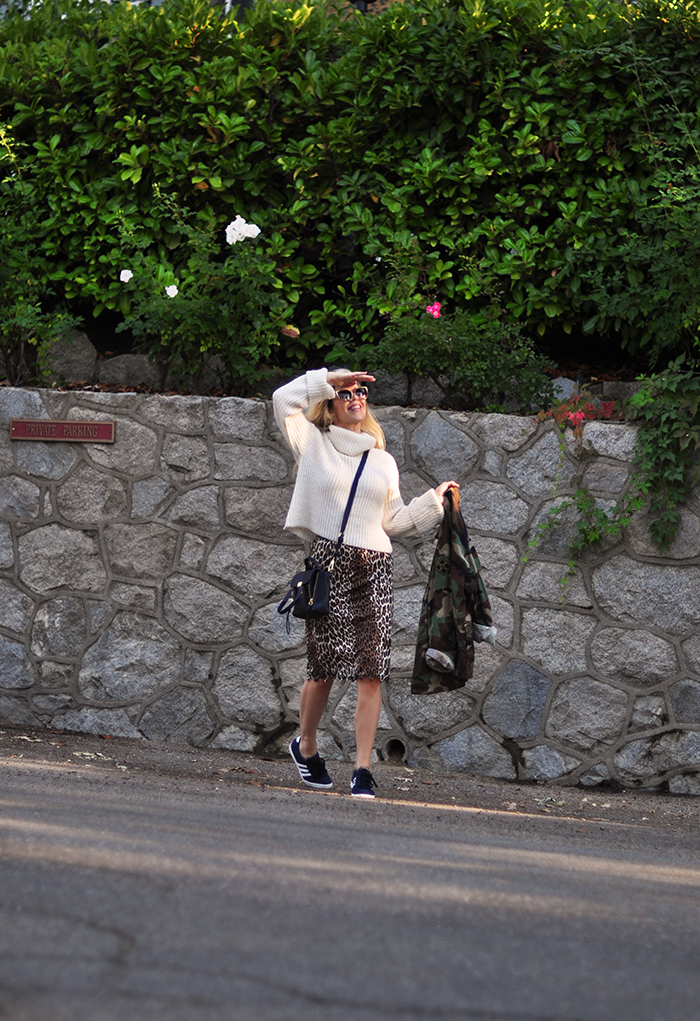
[(327, 464)]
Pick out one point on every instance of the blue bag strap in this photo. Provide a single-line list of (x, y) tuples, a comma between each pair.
[(348, 507)]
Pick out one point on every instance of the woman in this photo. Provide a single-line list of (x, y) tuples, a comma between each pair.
[(325, 417)]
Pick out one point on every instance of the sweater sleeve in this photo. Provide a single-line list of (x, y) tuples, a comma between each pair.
[(293, 400), (421, 515)]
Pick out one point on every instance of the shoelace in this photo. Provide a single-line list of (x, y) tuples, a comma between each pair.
[(316, 766), (366, 780)]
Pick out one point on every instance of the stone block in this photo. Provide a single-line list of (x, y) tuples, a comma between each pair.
[(140, 550), (605, 477), (648, 758), (131, 370), (99, 613), (564, 387), (46, 460), (251, 567), (193, 551), (15, 402), (198, 666), (107, 722), (552, 534), (441, 450), (293, 674), (493, 463), (132, 660), (198, 508), (268, 630), (180, 717), (595, 775), (473, 751), (402, 658), (54, 675), (233, 739), (515, 706), (53, 557), (557, 639), (59, 628), (427, 394), (686, 783), (585, 712), (637, 593), (691, 648), (133, 451), (72, 359), (48, 705), (244, 689), (390, 389), (407, 604), (138, 597), (649, 712), (685, 701), (234, 462), (90, 497), (542, 468), (404, 571), (543, 581), (634, 656), (185, 458), (487, 662), (15, 668), (611, 439), (544, 763), (16, 713), (427, 716), (177, 413), (685, 546), (259, 511), (236, 418), (394, 434), (503, 432), (149, 496), (503, 618), (202, 612), (7, 553), (493, 507), (15, 607), (19, 498)]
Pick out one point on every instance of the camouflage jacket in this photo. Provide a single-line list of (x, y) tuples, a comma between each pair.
[(455, 612)]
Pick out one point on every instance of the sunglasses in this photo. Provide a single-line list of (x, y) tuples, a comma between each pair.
[(348, 395)]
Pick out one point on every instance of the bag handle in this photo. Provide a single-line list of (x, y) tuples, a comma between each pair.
[(348, 506)]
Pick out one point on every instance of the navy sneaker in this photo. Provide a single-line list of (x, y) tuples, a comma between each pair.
[(362, 784), (311, 770)]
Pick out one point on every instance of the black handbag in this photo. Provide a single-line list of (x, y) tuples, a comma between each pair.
[(310, 590)]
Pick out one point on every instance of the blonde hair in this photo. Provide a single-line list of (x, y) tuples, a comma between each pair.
[(320, 415)]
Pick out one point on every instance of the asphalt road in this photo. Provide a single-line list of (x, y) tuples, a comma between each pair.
[(131, 891)]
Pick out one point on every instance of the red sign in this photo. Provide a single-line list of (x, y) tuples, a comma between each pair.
[(70, 432)]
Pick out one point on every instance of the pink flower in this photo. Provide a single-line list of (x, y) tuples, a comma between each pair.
[(433, 310), (577, 417)]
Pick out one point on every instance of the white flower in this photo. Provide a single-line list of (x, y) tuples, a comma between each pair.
[(125, 276), (377, 258), (171, 291), (239, 229)]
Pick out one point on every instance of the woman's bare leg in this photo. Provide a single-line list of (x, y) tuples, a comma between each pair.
[(312, 702), (369, 704)]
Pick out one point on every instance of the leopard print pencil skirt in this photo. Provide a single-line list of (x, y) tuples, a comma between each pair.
[(354, 640)]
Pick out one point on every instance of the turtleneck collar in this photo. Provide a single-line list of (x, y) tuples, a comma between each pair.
[(348, 442)]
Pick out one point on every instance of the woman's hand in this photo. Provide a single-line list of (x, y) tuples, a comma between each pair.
[(443, 487), (339, 380)]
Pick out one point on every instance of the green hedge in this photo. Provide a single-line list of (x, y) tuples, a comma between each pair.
[(473, 151)]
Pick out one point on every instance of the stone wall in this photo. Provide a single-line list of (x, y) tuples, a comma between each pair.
[(139, 584)]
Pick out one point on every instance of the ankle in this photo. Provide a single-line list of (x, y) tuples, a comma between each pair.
[(308, 749)]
